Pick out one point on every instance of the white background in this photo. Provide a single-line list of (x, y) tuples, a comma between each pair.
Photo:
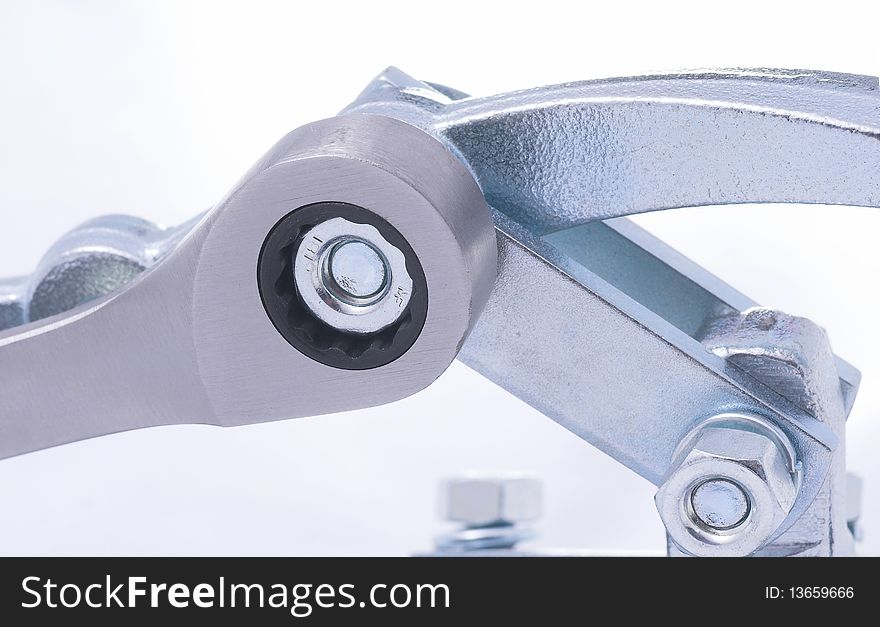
[(156, 108)]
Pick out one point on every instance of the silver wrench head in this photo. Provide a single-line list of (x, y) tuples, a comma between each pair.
[(189, 339)]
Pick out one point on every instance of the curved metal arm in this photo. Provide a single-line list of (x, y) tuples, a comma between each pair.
[(129, 326), (619, 326), (556, 157)]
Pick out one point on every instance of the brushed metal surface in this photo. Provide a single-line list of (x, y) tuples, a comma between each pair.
[(188, 341)]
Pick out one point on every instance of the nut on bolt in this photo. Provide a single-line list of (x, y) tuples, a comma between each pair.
[(478, 502), (495, 513), (350, 277), (731, 485)]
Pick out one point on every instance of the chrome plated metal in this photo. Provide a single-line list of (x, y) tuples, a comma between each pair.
[(360, 291), (495, 513), (481, 501), (493, 538), (607, 301), (591, 342), (556, 157), (720, 504), (750, 459), (792, 356), (356, 270)]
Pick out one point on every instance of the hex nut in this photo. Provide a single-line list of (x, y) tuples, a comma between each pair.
[(478, 502), (328, 301), (753, 461)]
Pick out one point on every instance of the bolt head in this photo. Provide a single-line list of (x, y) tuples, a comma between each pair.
[(350, 277), (356, 270), (720, 504), (727, 492), (478, 502)]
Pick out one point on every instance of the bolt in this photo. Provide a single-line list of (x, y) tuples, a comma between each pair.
[(477, 502), (494, 511), (350, 277), (720, 504), (731, 485), (355, 272)]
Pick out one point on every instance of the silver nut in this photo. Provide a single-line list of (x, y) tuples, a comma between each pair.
[(729, 489), (479, 502), (350, 277)]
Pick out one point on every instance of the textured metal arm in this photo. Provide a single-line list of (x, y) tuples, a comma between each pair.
[(555, 157), (620, 339)]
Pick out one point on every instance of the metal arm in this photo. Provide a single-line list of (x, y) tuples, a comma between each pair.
[(188, 340), (556, 157), (625, 333), (597, 324)]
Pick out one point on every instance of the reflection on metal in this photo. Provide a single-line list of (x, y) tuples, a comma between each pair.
[(591, 320)]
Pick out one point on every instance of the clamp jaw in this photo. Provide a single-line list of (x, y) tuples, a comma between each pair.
[(363, 253)]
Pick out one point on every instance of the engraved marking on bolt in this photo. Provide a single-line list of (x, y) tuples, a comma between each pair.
[(400, 296), (351, 278)]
